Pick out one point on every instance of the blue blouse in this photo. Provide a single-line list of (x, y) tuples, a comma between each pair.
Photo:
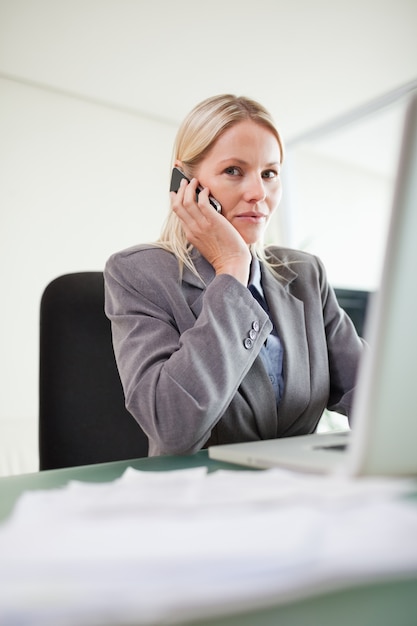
[(272, 352)]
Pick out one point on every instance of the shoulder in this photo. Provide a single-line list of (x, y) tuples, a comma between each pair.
[(292, 263), (142, 257), (140, 265), (139, 255), (289, 255)]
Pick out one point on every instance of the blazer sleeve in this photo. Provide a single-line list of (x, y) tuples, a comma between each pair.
[(345, 351), (179, 370)]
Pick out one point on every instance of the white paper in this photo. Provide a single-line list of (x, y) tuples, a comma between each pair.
[(153, 546)]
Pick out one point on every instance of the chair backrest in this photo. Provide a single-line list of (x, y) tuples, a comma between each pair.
[(82, 415)]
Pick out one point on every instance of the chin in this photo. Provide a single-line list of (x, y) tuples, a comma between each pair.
[(252, 238)]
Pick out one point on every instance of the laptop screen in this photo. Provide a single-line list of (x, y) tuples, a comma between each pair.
[(384, 411)]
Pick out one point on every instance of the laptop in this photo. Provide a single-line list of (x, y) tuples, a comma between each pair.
[(383, 439)]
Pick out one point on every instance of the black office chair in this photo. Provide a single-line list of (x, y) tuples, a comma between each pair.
[(82, 415)]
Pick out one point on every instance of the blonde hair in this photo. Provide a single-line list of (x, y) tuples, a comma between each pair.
[(198, 132)]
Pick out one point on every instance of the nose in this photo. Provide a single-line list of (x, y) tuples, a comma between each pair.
[(255, 189)]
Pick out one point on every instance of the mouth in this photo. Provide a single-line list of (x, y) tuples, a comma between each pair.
[(252, 216)]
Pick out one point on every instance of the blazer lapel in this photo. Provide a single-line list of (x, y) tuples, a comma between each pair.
[(287, 314)]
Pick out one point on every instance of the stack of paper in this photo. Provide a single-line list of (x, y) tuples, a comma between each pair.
[(152, 547)]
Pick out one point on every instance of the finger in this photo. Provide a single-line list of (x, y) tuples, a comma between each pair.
[(190, 194), (177, 197), (192, 210), (203, 200)]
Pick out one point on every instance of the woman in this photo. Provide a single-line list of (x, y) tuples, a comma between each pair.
[(204, 359)]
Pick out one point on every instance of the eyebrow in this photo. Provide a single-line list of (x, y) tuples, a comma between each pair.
[(242, 162)]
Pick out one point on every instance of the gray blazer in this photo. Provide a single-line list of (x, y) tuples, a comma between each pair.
[(187, 351)]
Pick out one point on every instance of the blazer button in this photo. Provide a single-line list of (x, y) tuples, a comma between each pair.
[(255, 326), (248, 343), (252, 334)]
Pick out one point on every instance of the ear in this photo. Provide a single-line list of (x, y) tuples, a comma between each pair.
[(178, 164)]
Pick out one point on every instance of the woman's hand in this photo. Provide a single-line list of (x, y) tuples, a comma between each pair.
[(210, 232)]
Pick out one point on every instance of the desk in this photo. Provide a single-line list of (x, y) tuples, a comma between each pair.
[(382, 604), (12, 486)]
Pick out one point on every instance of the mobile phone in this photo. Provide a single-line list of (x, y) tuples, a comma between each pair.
[(176, 178)]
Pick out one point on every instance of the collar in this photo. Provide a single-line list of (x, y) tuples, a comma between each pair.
[(255, 276), (206, 273)]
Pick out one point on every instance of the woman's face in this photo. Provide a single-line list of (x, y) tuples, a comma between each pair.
[(242, 172)]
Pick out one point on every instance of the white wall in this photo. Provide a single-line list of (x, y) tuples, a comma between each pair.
[(78, 182), (341, 212)]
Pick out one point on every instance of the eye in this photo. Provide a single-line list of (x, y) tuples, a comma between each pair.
[(270, 174), (232, 170)]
